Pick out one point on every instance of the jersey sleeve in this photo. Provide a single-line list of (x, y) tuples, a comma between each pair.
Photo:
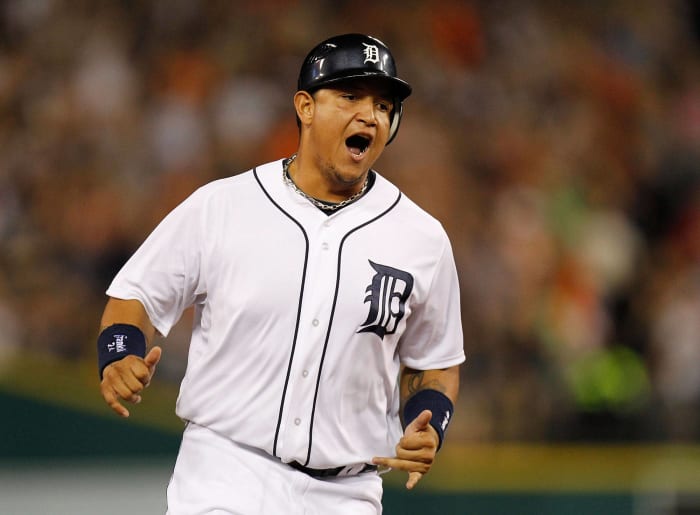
[(164, 272), (434, 338)]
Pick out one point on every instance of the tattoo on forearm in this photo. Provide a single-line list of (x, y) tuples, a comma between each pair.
[(416, 381)]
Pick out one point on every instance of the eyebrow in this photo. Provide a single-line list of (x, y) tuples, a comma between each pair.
[(383, 96), (382, 93)]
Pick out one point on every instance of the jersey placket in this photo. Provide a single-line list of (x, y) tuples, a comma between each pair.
[(314, 320)]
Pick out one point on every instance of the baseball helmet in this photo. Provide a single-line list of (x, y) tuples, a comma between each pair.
[(354, 56)]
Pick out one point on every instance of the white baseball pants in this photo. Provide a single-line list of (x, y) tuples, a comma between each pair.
[(214, 475)]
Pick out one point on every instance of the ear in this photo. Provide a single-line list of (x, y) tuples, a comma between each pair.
[(304, 106)]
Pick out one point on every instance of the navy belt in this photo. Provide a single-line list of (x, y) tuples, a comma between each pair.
[(348, 470)]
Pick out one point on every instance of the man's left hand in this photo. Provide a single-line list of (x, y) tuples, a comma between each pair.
[(416, 450)]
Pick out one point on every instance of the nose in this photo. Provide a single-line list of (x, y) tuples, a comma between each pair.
[(365, 111)]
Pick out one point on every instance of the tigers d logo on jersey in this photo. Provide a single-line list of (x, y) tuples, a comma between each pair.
[(386, 295)]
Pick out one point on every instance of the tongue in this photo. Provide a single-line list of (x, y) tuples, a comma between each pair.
[(355, 150)]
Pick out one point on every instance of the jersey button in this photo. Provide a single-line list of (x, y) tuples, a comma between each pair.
[(315, 322), (324, 245), (305, 373), (297, 421)]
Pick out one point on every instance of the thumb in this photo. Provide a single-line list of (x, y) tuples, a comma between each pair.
[(421, 422), (153, 357)]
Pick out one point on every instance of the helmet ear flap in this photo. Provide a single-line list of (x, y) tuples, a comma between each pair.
[(395, 120)]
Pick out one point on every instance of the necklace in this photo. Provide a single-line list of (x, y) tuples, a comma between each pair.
[(321, 205)]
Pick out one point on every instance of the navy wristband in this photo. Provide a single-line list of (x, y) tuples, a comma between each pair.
[(438, 403), (119, 341)]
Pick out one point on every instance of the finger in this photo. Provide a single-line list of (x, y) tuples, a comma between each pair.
[(129, 365), (113, 402), (122, 390), (405, 465), (413, 478), (135, 378), (151, 360), (134, 398), (381, 461), (153, 357), (423, 455), (424, 440), (420, 423)]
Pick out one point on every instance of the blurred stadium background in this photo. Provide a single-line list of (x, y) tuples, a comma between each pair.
[(557, 141)]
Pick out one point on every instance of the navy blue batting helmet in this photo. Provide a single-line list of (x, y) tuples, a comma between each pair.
[(354, 56)]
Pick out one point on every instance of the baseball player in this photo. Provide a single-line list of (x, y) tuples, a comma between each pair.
[(327, 334)]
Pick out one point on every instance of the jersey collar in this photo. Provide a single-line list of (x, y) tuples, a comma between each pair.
[(380, 197)]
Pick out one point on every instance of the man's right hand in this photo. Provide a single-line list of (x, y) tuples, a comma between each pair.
[(126, 378)]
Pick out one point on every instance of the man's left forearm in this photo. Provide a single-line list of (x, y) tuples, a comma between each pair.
[(445, 381), (433, 390)]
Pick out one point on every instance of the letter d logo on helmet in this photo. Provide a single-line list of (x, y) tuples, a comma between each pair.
[(354, 56)]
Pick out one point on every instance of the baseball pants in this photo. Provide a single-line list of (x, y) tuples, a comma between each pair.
[(214, 475)]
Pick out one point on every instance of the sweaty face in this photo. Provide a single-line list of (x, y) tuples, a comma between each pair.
[(349, 129)]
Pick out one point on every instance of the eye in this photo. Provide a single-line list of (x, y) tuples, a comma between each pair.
[(349, 96), (385, 106)]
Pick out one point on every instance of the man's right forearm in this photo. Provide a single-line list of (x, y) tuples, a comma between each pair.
[(119, 311)]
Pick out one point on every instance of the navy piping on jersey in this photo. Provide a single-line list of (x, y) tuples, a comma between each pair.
[(330, 323), (301, 298)]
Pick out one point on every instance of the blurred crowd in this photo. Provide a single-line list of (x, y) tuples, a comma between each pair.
[(558, 142)]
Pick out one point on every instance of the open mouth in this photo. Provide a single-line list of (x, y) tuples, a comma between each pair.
[(357, 144)]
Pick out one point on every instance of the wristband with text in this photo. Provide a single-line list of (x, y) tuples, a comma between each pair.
[(119, 341), (438, 403)]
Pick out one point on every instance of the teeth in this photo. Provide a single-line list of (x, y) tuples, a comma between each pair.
[(358, 145)]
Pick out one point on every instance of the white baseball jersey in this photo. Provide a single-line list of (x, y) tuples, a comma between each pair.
[(301, 319)]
